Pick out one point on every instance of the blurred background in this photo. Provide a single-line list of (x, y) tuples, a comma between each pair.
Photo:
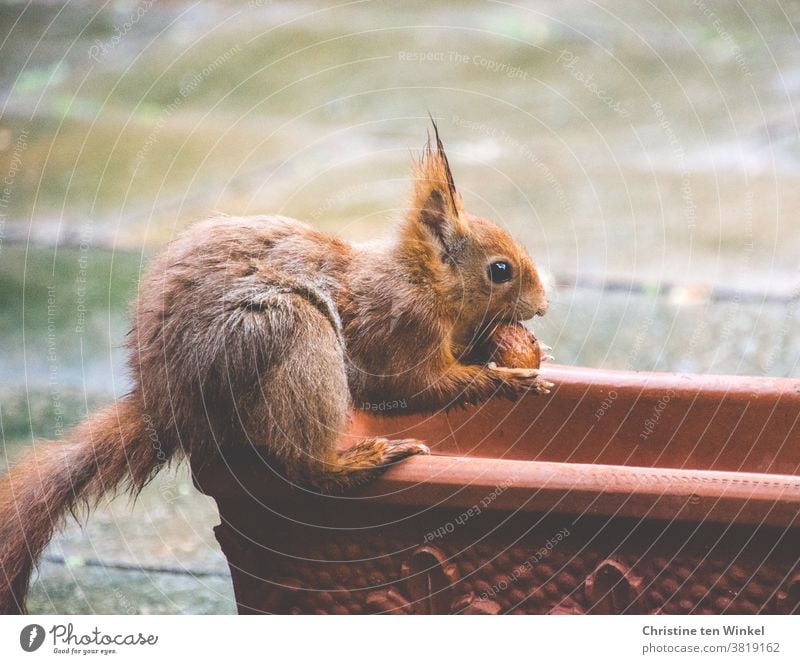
[(648, 156)]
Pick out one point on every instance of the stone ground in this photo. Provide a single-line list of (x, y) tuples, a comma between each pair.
[(166, 531)]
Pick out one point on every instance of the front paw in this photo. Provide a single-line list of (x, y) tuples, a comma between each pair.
[(513, 383)]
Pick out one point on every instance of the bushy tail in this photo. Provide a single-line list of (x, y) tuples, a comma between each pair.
[(107, 449)]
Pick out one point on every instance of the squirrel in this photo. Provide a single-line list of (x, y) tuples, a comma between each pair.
[(265, 331)]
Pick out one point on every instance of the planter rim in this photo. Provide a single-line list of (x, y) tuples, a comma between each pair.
[(548, 487), (617, 417)]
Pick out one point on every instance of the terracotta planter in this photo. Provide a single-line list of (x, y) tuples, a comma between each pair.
[(619, 493)]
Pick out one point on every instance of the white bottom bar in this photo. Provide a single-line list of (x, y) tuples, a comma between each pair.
[(396, 639)]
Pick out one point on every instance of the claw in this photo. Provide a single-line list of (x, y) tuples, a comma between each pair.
[(544, 386), (398, 450)]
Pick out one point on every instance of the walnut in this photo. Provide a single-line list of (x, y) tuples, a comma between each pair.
[(510, 345)]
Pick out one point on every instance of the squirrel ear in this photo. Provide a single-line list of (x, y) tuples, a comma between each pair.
[(435, 214), (436, 203)]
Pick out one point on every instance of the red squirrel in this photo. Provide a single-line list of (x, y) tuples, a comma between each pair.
[(264, 331)]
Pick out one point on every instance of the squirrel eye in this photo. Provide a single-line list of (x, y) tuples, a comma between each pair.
[(499, 272)]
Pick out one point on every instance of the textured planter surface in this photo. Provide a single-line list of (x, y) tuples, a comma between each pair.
[(620, 492)]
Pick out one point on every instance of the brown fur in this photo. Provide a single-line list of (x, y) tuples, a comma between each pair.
[(263, 331)]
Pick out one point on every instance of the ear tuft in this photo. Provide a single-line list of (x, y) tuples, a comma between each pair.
[(436, 203), (442, 157)]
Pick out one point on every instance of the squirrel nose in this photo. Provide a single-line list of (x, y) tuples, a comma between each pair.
[(542, 310)]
